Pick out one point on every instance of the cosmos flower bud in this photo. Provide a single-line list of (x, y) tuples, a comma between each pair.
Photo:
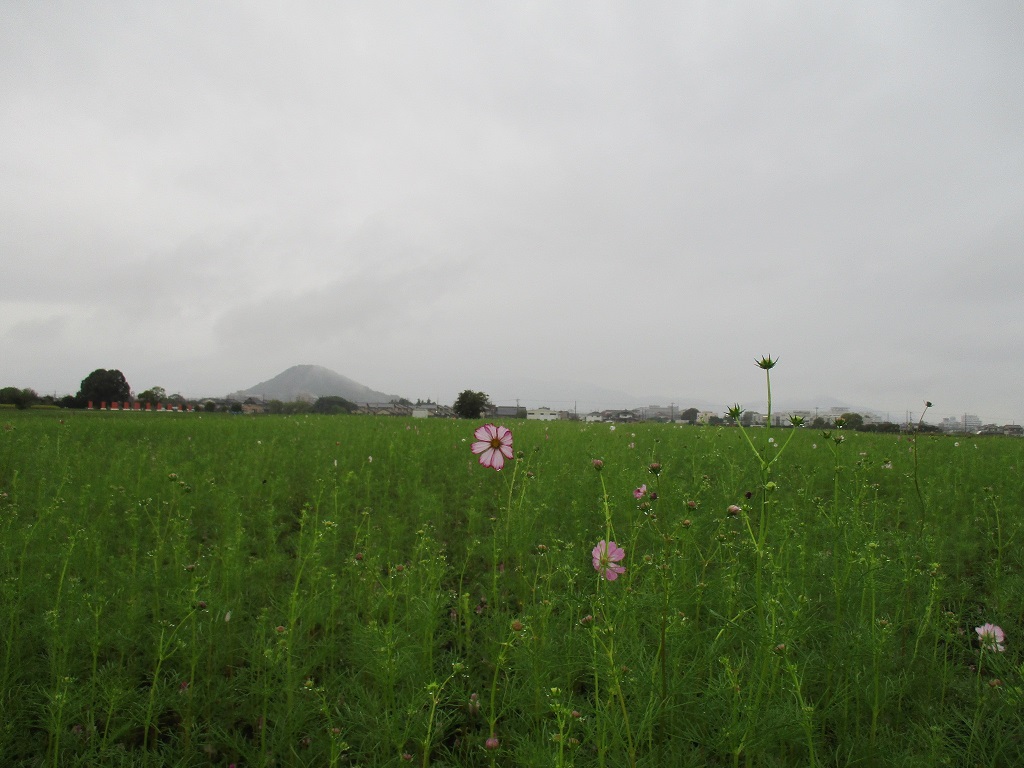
[(766, 363)]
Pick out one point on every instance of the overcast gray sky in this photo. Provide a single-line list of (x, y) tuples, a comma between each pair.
[(535, 199)]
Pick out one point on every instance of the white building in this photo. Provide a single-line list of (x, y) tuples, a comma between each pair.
[(969, 423), (541, 414)]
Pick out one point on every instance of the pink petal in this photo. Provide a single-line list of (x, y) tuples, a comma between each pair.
[(480, 446), (611, 573), (487, 432), (492, 458)]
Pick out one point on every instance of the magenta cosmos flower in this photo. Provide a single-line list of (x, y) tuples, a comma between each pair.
[(991, 637), (494, 444), (607, 556), (639, 493)]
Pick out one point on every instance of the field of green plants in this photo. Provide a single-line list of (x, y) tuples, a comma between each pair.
[(214, 590)]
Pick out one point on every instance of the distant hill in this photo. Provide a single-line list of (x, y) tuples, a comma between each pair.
[(308, 382)]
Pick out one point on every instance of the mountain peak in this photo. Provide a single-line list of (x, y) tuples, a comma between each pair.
[(308, 382)]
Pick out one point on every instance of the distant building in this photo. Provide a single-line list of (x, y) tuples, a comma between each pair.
[(432, 411), (969, 423), (621, 417), (504, 412), (385, 409), (784, 418), (542, 414), (660, 413)]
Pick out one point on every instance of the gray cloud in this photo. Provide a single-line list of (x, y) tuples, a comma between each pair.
[(643, 199)]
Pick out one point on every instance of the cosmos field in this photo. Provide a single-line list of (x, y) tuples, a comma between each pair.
[(215, 590)]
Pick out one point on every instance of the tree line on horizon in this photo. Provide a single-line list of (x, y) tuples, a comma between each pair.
[(110, 386), (100, 386)]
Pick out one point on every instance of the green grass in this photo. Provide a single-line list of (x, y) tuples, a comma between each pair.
[(201, 590)]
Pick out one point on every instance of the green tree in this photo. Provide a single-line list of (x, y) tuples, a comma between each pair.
[(153, 395), (333, 404), (103, 386), (853, 420), (470, 404), (690, 415), (19, 398)]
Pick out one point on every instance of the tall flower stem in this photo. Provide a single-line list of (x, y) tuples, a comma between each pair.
[(764, 463), (917, 480), (608, 533), (435, 691), (504, 527), (492, 715), (606, 649)]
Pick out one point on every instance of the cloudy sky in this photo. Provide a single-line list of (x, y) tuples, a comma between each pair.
[(543, 200)]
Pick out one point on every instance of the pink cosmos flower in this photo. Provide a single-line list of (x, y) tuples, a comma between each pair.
[(607, 555), (991, 637), (494, 444), (639, 493)]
